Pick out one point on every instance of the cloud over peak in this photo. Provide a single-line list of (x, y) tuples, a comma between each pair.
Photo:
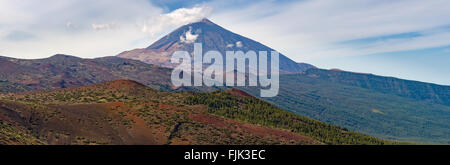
[(175, 18)]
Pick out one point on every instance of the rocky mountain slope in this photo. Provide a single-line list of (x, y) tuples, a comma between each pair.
[(63, 71), (127, 112), (212, 37), (383, 107)]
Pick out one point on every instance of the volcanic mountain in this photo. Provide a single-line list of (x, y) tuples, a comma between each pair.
[(383, 107), (212, 37)]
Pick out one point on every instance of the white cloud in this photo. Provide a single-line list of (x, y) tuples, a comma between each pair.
[(302, 30), (73, 26), (70, 25), (175, 18), (110, 26), (184, 15), (308, 30)]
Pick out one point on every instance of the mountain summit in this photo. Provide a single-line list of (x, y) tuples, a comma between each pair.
[(212, 37)]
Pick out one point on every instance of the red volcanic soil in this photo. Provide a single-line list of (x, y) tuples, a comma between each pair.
[(255, 130), (134, 121), (116, 84), (238, 93), (9, 67), (106, 123)]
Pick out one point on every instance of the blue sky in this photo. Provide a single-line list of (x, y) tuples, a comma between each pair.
[(408, 39)]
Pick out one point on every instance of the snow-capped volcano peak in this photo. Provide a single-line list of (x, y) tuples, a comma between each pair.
[(212, 37)]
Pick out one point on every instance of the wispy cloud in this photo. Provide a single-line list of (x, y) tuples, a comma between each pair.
[(175, 18), (71, 26), (302, 30), (109, 26), (19, 36), (308, 29)]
